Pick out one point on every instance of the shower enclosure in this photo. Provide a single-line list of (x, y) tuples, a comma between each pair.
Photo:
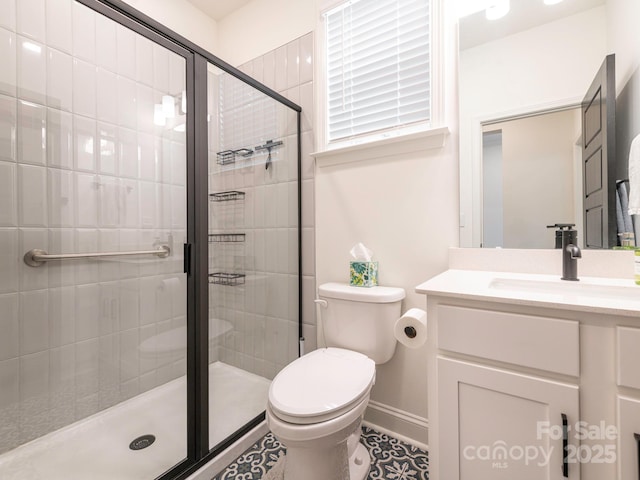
[(149, 245)]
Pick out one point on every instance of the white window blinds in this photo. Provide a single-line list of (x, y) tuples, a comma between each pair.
[(378, 66)]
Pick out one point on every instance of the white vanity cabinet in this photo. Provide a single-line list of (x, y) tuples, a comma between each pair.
[(628, 401), (628, 437), (498, 424), (500, 411), (512, 357)]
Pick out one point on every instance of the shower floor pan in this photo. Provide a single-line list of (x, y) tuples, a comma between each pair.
[(98, 446)]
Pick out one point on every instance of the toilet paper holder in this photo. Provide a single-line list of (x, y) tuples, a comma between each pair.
[(411, 328), (410, 332)]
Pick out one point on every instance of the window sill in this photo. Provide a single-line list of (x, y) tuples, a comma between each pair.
[(385, 147)]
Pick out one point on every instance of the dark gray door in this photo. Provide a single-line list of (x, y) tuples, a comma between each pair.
[(598, 158)]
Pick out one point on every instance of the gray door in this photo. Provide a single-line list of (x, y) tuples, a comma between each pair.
[(598, 158)]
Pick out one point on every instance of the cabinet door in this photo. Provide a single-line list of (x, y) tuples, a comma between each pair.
[(628, 428), (495, 424)]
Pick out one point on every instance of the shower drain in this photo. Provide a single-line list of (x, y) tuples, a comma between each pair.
[(142, 442)]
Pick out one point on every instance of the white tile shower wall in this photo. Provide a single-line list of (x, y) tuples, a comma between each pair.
[(83, 169), (263, 312), (299, 74)]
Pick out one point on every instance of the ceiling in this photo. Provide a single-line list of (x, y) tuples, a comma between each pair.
[(475, 29), (218, 9)]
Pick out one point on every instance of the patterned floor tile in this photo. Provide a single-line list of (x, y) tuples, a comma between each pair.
[(255, 462), (391, 459)]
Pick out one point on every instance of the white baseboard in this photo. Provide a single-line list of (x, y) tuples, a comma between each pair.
[(405, 426), (222, 461)]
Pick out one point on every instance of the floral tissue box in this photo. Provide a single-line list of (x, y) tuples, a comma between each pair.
[(363, 274)]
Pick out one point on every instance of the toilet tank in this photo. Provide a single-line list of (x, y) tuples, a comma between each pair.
[(361, 319)]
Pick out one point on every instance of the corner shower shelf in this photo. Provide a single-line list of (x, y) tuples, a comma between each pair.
[(226, 237), (226, 196), (229, 279), (225, 157), (229, 156)]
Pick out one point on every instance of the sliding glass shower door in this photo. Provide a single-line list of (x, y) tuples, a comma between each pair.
[(93, 218), (253, 254), (114, 362)]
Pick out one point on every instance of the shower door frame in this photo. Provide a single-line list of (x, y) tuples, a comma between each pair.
[(196, 248)]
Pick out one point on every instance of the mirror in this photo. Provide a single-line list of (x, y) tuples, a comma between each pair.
[(519, 76), (531, 178)]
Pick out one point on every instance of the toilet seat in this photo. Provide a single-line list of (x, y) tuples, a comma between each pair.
[(321, 385)]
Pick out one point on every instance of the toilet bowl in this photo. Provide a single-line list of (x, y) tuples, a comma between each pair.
[(317, 402), (315, 409)]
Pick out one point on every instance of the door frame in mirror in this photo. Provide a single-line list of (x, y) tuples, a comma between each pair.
[(470, 171)]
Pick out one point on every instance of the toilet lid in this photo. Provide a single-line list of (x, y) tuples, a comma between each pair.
[(321, 382)]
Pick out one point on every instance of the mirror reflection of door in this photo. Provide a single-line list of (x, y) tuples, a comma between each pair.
[(532, 175), (599, 160)]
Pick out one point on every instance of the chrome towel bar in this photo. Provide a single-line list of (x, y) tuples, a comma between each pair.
[(37, 257)]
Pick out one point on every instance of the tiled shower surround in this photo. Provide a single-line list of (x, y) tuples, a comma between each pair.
[(83, 168), (263, 311)]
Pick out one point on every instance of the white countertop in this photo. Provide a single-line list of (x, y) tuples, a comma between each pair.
[(612, 296)]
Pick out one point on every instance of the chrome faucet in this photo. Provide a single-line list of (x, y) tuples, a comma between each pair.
[(570, 254)]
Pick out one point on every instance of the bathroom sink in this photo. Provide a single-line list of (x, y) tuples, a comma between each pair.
[(614, 296), (562, 289)]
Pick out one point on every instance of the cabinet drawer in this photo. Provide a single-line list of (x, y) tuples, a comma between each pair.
[(544, 343), (627, 340)]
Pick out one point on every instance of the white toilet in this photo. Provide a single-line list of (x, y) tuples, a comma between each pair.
[(316, 403)]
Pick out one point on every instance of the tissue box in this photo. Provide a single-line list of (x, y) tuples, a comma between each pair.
[(363, 274)]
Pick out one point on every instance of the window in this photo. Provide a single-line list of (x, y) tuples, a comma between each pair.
[(378, 66)]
